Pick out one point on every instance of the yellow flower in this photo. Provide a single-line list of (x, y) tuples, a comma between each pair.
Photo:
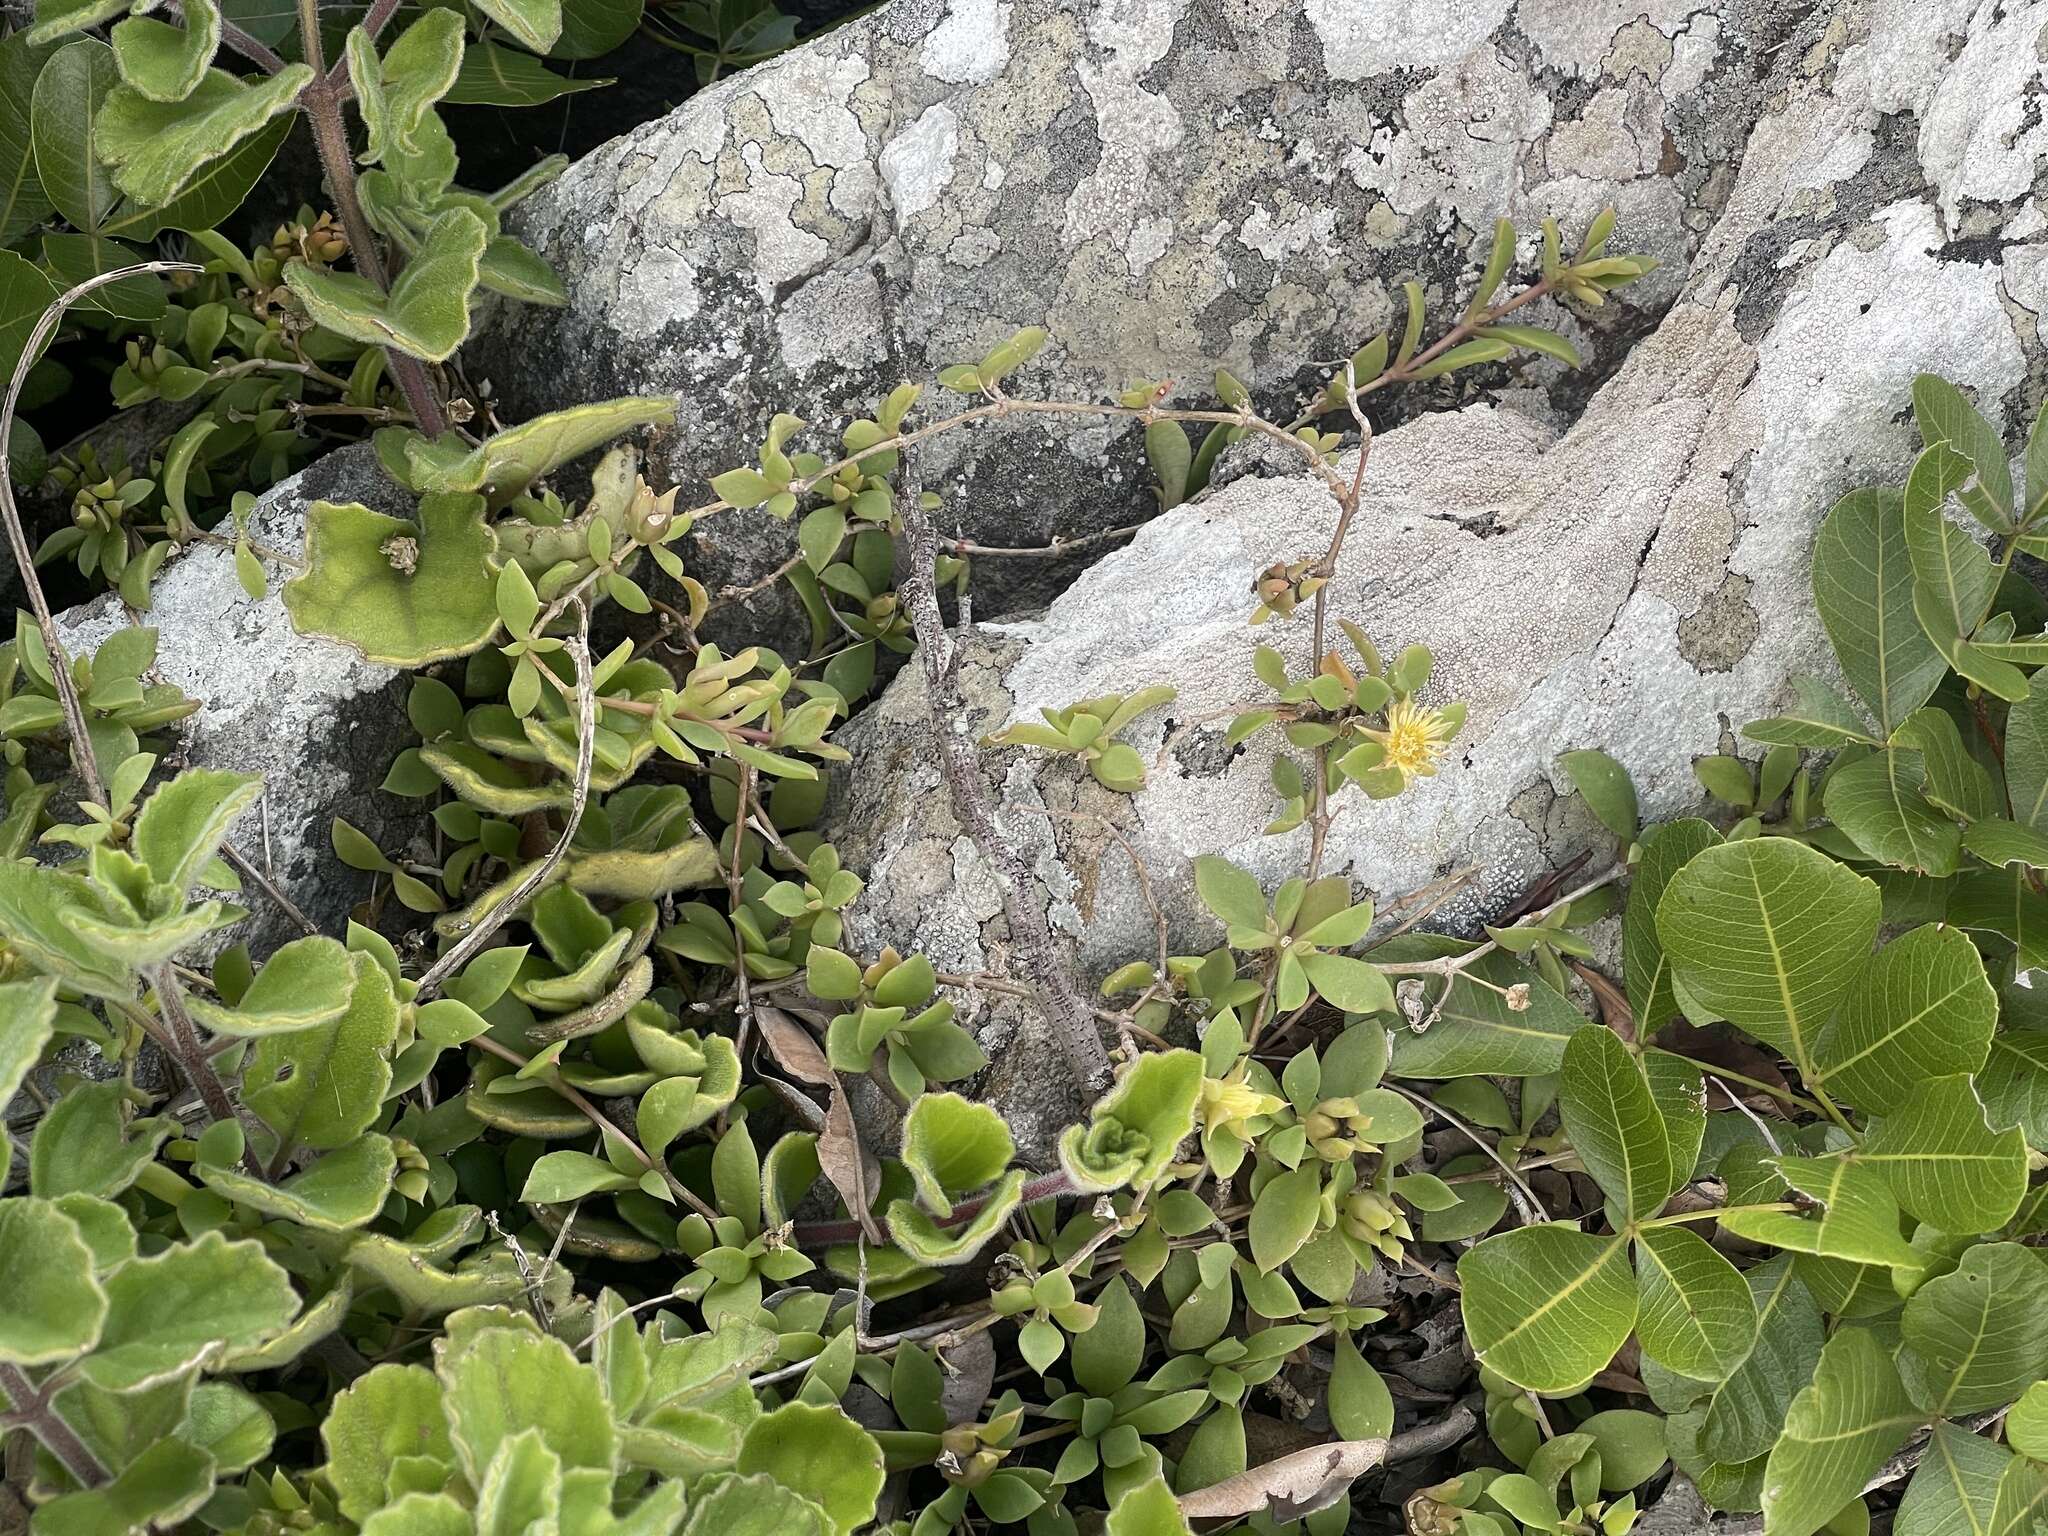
[(1415, 738), (1227, 1103)]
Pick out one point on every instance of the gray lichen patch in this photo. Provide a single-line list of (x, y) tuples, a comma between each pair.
[(1719, 633), (1166, 185)]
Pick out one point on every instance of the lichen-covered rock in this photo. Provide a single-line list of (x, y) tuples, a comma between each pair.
[(1637, 582), (319, 723), (1166, 185)]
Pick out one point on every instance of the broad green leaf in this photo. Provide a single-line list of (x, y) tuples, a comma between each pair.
[(54, 1306), (1944, 1163), (1748, 1409), (352, 590), (1608, 790), (1548, 1306), (1839, 1430), (1695, 1312), (1946, 416), (1922, 1008), (57, 18), (2003, 902), (1858, 1220), (157, 147), (1977, 1338), (1878, 803), (420, 1514), (1769, 934), (1149, 1509), (1821, 718), (324, 1087), (343, 1190), (304, 985), (426, 313), (591, 28), (496, 76), (501, 1381), (1477, 1034), (185, 1306), (1863, 589), (70, 98), (1952, 575), (1229, 892), (2026, 760), (1666, 850), (953, 1147), (74, 260), (392, 1412), (509, 268), (820, 1454), (212, 193), (1614, 1125), (2014, 1082), (1105, 1357), (505, 464), (1955, 1487), (2022, 1502), (1356, 986), (726, 1505), (229, 1424), (25, 292), (559, 1177), (23, 204), (536, 23), (165, 62), (181, 826), (2003, 843), (2026, 1424), (28, 1016), (1954, 781), (522, 1489)]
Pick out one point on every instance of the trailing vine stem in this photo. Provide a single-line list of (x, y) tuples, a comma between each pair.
[(322, 99), (17, 535), (586, 740), (1038, 955)]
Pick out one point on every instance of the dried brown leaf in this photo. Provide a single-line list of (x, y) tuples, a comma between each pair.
[(848, 1163), (794, 1048), (1291, 1487)]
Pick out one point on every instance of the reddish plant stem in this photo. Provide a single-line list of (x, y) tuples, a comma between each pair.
[(43, 1421), (321, 100)]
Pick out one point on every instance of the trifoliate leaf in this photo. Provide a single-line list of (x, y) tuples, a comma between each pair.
[(1696, 1314), (1945, 1164), (1769, 934), (1839, 1430), (1547, 1306), (1922, 1008)]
